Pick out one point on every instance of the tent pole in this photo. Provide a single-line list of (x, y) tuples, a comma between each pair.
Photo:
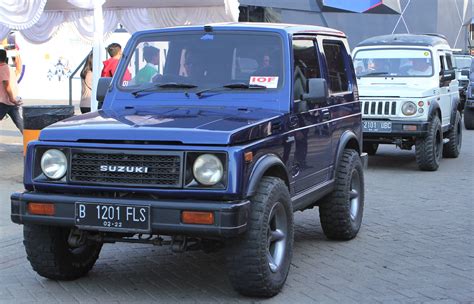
[(97, 50)]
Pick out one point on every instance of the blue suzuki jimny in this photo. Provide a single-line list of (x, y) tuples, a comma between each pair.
[(209, 137)]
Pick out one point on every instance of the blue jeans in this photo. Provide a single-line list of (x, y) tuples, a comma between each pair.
[(14, 113)]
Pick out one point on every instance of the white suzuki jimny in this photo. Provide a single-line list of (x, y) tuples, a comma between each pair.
[(409, 95)]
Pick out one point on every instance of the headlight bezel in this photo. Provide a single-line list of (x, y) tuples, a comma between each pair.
[(37, 172), (190, 180), (409, 103)]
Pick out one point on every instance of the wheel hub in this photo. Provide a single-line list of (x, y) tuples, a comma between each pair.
[(276, 236)]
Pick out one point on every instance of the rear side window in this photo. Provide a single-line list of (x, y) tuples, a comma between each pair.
[(306, 65), (335, 57)]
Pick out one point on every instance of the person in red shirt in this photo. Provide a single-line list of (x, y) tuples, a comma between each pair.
[(110, 65)]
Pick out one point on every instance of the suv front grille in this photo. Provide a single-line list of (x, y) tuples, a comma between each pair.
[(163, 169), (379, 108)]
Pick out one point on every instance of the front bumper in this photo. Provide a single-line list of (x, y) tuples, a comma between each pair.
[(165, 215), (400, 130)]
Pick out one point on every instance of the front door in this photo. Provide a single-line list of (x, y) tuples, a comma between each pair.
[(311, 155)]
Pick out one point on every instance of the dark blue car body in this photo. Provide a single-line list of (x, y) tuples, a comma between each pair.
[(301, 147)]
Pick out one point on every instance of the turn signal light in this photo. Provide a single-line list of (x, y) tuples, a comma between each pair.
[(41, 208), (197, 217), (409, 127)]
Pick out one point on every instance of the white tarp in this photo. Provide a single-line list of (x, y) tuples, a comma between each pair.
[(39, 20)]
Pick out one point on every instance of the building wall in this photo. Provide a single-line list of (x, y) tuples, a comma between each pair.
[(417, 16)]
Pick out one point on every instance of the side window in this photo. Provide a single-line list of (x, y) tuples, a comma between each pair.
[(441, 61), (449, 61), (335, 57), (306, 65)]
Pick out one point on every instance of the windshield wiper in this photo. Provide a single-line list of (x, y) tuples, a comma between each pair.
[(237, 85), (374, 74), (168, 85)]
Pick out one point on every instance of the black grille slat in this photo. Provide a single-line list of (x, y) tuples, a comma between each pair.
[(162, 170)]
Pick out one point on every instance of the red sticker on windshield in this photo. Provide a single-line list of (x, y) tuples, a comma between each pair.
[(270, 82)]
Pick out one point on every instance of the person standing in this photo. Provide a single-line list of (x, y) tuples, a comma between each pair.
[(9, 103), (110, 65), (86, 85)]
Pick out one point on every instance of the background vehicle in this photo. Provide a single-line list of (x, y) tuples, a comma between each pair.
[(463, 67), (469, 106), (220, 133), (409, 96)]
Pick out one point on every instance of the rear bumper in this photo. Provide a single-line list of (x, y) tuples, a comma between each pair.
[(230, 218), (400, 129)]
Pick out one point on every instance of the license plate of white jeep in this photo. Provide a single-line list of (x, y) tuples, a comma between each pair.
[(376, 126), (113, 217)]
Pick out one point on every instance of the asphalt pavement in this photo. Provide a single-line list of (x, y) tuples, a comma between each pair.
[(416, 245)]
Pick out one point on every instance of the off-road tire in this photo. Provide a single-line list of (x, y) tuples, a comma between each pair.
[(429, 149), (50, 255), (370, 148), (452, 148), (247, 260), (469, 118), (338, 220)]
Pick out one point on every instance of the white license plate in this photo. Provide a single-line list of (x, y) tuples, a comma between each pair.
[(377, 126)]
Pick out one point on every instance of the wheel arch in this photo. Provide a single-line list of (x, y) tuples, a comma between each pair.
[(267, 165), (349, 140), (435, 109)]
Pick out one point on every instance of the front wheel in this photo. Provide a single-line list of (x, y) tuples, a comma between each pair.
[(341, 211), (430, 149), (52, 257), (259, 260)]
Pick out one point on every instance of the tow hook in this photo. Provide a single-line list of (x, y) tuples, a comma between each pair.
[(180, 244), (77, 238)]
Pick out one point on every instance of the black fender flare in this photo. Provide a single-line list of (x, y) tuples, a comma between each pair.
[(346, 137), (454, 109), (261, 166), (434, 106)]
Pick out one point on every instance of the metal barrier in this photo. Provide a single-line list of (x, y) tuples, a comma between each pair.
[(72, 76)]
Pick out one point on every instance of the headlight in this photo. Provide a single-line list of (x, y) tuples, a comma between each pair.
[(208, 169), (54, 164), (409, 108)]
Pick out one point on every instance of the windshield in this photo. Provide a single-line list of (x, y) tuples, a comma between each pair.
[(393, 63), (198, 61), (462, 62)]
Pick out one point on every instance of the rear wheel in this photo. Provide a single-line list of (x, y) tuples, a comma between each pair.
[(430, 149), (452, 148), (370, 148), (259, 260), (469, 118), (51, 256), (341, 211)]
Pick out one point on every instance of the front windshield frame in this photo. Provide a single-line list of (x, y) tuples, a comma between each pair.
[(150, 37), (394, 75)]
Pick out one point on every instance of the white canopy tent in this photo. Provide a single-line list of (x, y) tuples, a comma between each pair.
[(92, 20)]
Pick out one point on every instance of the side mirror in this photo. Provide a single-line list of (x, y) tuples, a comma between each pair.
[(447, 75), (317, 91), (102, 87)]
